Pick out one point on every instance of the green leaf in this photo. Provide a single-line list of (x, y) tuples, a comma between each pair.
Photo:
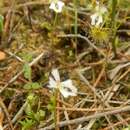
[(32, 86), (39, 115), (27, 124), (50, 107), (52, 104), (27, 71), (116, 41), (1, 23), (46, 25), (53, 100), (28, 110), (36, 85), (32, 99), (27, 86), (42, 113), (26, 56)]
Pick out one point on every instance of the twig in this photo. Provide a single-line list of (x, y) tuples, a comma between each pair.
[(66, 116), (7, 114), (17, 75), (99, 77), (89, 85), (103, 100), (14, 55), (83, 119), (110, 101), (19, 113), (86, 39), (116, 124), (108, 120), (86, 109), (31, 3)]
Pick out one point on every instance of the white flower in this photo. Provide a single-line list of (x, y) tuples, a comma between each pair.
[(56, 5), (97, 17), (66, 87)]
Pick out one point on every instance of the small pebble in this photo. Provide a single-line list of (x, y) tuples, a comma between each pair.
[(2, 55)]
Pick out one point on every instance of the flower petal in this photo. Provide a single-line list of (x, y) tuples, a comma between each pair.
[(97, 17), (67, 84), (60, 6), (52, 6), (66, 93), (99, 20), (57, 6), (55, 74), (94, 18), (52, 83), (68, 89)]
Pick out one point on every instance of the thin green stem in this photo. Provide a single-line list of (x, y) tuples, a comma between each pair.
[(76, 17), (55, 94), (55, 20), (75, 2), (56, 112), (114, 29)]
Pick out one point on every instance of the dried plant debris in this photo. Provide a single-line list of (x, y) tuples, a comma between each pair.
[(64, 65)]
